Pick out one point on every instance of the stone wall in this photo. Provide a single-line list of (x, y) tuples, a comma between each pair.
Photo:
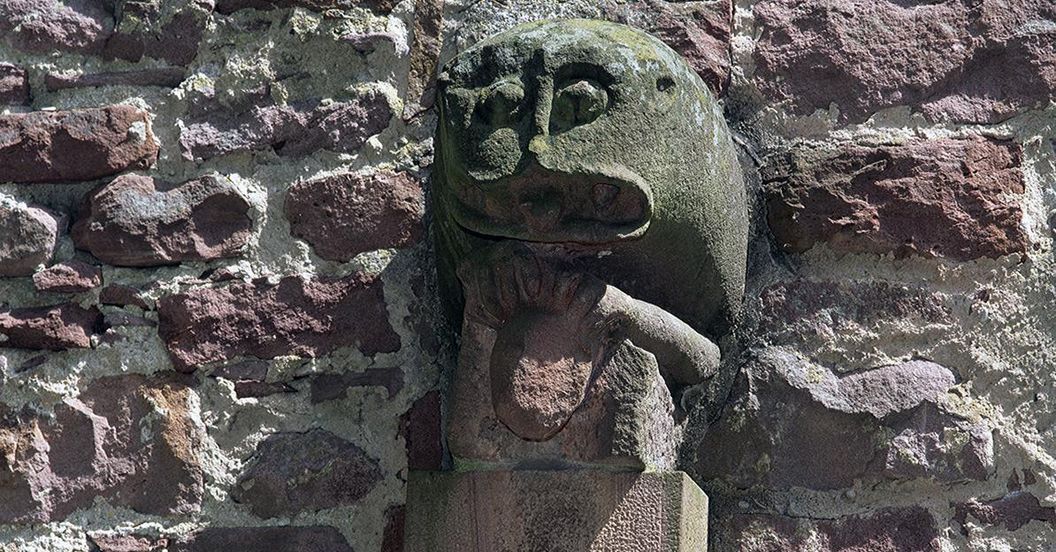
[(218, 322)]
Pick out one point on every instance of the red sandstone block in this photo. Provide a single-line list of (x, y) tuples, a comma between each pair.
[(978, 62), (137, 221), (889, 530), (58, 327), (14, 86), (343, 215), (955, 198), (68, 277), (297, 316), (295, 473), (95, 446), (82, 144)]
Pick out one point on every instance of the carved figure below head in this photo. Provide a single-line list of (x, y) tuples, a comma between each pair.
[(591, 229)]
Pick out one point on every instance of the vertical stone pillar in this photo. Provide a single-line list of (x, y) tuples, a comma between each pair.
[(555, 511)]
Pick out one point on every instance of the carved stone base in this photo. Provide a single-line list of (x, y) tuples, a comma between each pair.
[(555, 511)]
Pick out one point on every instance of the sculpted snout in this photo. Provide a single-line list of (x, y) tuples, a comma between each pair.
[(543, 205)]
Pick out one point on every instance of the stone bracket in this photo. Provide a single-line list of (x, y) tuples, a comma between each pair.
[(555, 511)]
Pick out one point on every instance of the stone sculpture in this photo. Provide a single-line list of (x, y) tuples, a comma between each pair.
[(592, 230), (592, 233)]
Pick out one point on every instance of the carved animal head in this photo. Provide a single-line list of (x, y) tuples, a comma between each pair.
[(596, 141)]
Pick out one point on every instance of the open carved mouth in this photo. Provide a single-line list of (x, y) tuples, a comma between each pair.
[(539, 205)]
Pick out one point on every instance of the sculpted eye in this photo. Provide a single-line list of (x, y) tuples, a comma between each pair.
[(663, 84), (577, 104), (501, 102)]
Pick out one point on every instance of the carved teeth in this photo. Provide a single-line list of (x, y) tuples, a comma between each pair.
[(604, 195), (540, 214)]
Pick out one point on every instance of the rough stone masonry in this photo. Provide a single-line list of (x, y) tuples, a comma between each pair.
[(219, 325)]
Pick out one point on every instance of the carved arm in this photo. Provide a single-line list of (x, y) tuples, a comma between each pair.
[(683, 354)]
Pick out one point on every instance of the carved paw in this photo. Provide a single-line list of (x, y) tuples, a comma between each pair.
[(509, 277), (553, 332), (544, 352), (685, 356)]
